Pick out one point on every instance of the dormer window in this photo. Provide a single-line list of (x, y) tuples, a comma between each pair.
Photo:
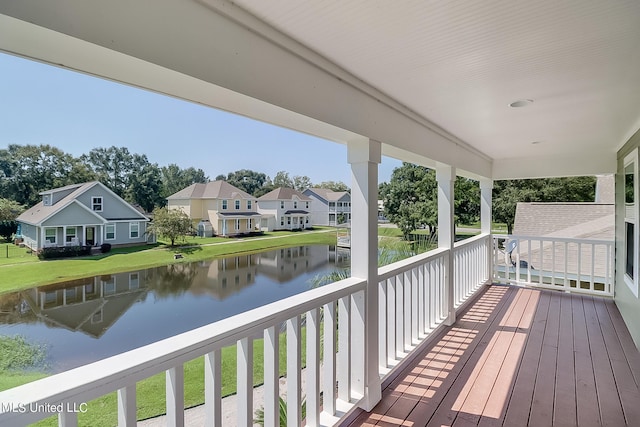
[(237, 205), (96, 203), (281, 204), (249, 204), (46, 200), (224, 204), (295, 204)]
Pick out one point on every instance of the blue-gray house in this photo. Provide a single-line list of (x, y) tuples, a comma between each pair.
[(82, 214)]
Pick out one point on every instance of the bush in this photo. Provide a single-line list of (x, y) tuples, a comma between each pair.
[(105, 248), (64, 252)]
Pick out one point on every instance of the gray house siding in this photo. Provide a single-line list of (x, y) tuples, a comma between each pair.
[(122, 236), (72, 214), (112, 208)]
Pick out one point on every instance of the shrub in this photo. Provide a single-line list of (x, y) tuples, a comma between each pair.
[(64, 252), (105, 248)]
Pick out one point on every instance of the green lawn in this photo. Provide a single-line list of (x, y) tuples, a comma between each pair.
[(12, 254), (17, 276), (150, 393)]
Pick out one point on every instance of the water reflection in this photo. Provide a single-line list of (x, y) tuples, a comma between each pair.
[(121, 311)]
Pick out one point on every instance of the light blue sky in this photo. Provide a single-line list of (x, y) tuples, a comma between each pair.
[(41, 104)]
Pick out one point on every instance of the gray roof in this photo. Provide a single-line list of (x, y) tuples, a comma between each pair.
[(329, 195), (296, 211), (571, 220), (38, 213), (210, 190), (284, 193)]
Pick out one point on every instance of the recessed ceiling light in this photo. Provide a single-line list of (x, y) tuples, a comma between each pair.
[(536, 142), (521, 103)]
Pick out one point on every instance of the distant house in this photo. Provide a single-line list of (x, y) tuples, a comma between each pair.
[(284, 209), (329, 207), (225, 209), (82, 214)]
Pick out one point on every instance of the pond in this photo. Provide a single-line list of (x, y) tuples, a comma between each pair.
[(85, 320)]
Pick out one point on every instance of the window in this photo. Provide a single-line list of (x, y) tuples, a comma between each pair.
[(306, 205), (224, 204), (237, 204), (249, 224), (70, 235), (631, 232), (134, 280), (295, 204), (46, 200), (96, 203), (281, 220), (249, 204), (281, 204), (332, 204), (134, 230), (237, 224), (306, 219), (289, 220), (110, 232), (50, 235), (339, 204)]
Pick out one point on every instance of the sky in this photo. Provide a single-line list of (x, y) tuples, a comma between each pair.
[(42, 104)]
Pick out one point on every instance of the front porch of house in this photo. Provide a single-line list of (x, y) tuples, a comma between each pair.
[(519, 357)]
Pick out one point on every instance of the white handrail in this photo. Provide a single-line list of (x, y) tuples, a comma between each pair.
[(99, 378)]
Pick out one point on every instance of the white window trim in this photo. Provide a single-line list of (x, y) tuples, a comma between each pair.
[(46, 199), (237, 204), (249, 204), (632, 283), (101, 203), (237, 224), (55, 235), (67, 235), (225, 205), (106, 237), (131, 224)]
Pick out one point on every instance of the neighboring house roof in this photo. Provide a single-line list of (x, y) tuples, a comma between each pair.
[(571, 220), (39, 213), (210, 190), (329, 195), (230, 214), (296, 211), (284, 193)]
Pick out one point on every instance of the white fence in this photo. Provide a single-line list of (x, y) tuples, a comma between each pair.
[(414, 296), (573, 265)]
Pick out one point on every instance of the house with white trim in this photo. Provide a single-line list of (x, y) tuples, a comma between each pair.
[(229, 210), (86, 214), (329, 207), (284, 209)]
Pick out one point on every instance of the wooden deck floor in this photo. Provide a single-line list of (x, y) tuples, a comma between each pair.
[(520, 357)]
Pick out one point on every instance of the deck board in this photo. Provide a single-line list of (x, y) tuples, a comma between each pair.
[(520, 357)]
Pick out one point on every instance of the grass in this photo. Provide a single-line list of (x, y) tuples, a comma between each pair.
[(150, 393), (21, 361), (17, 255), (16, 277)]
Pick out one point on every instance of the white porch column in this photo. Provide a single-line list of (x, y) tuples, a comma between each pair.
[(364, 155), (486, 189), (446, 176)]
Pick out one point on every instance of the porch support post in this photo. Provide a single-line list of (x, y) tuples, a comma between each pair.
[(486, 190), (364, 155), (446, 176)]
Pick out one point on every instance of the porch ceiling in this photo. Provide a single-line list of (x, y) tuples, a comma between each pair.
[(431, 80)]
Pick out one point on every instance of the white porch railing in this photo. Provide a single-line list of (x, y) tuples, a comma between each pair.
[(573, 265), (414, 296)]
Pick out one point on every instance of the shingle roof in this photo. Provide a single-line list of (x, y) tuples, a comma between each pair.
[(284, 193), (571, 220), (38, 213), (210, 190), (329, 195)]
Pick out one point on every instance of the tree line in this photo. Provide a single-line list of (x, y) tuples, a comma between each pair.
[(411, 202), (27, 170)]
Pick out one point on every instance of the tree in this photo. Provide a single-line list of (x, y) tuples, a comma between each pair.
[(145, 187), (170, 223), (175, 179), (507, 194), (247, 180), (282, 179), (27, 170), (411, 199), (9, 209), (114, 166), (333, 185), (301, 183)]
